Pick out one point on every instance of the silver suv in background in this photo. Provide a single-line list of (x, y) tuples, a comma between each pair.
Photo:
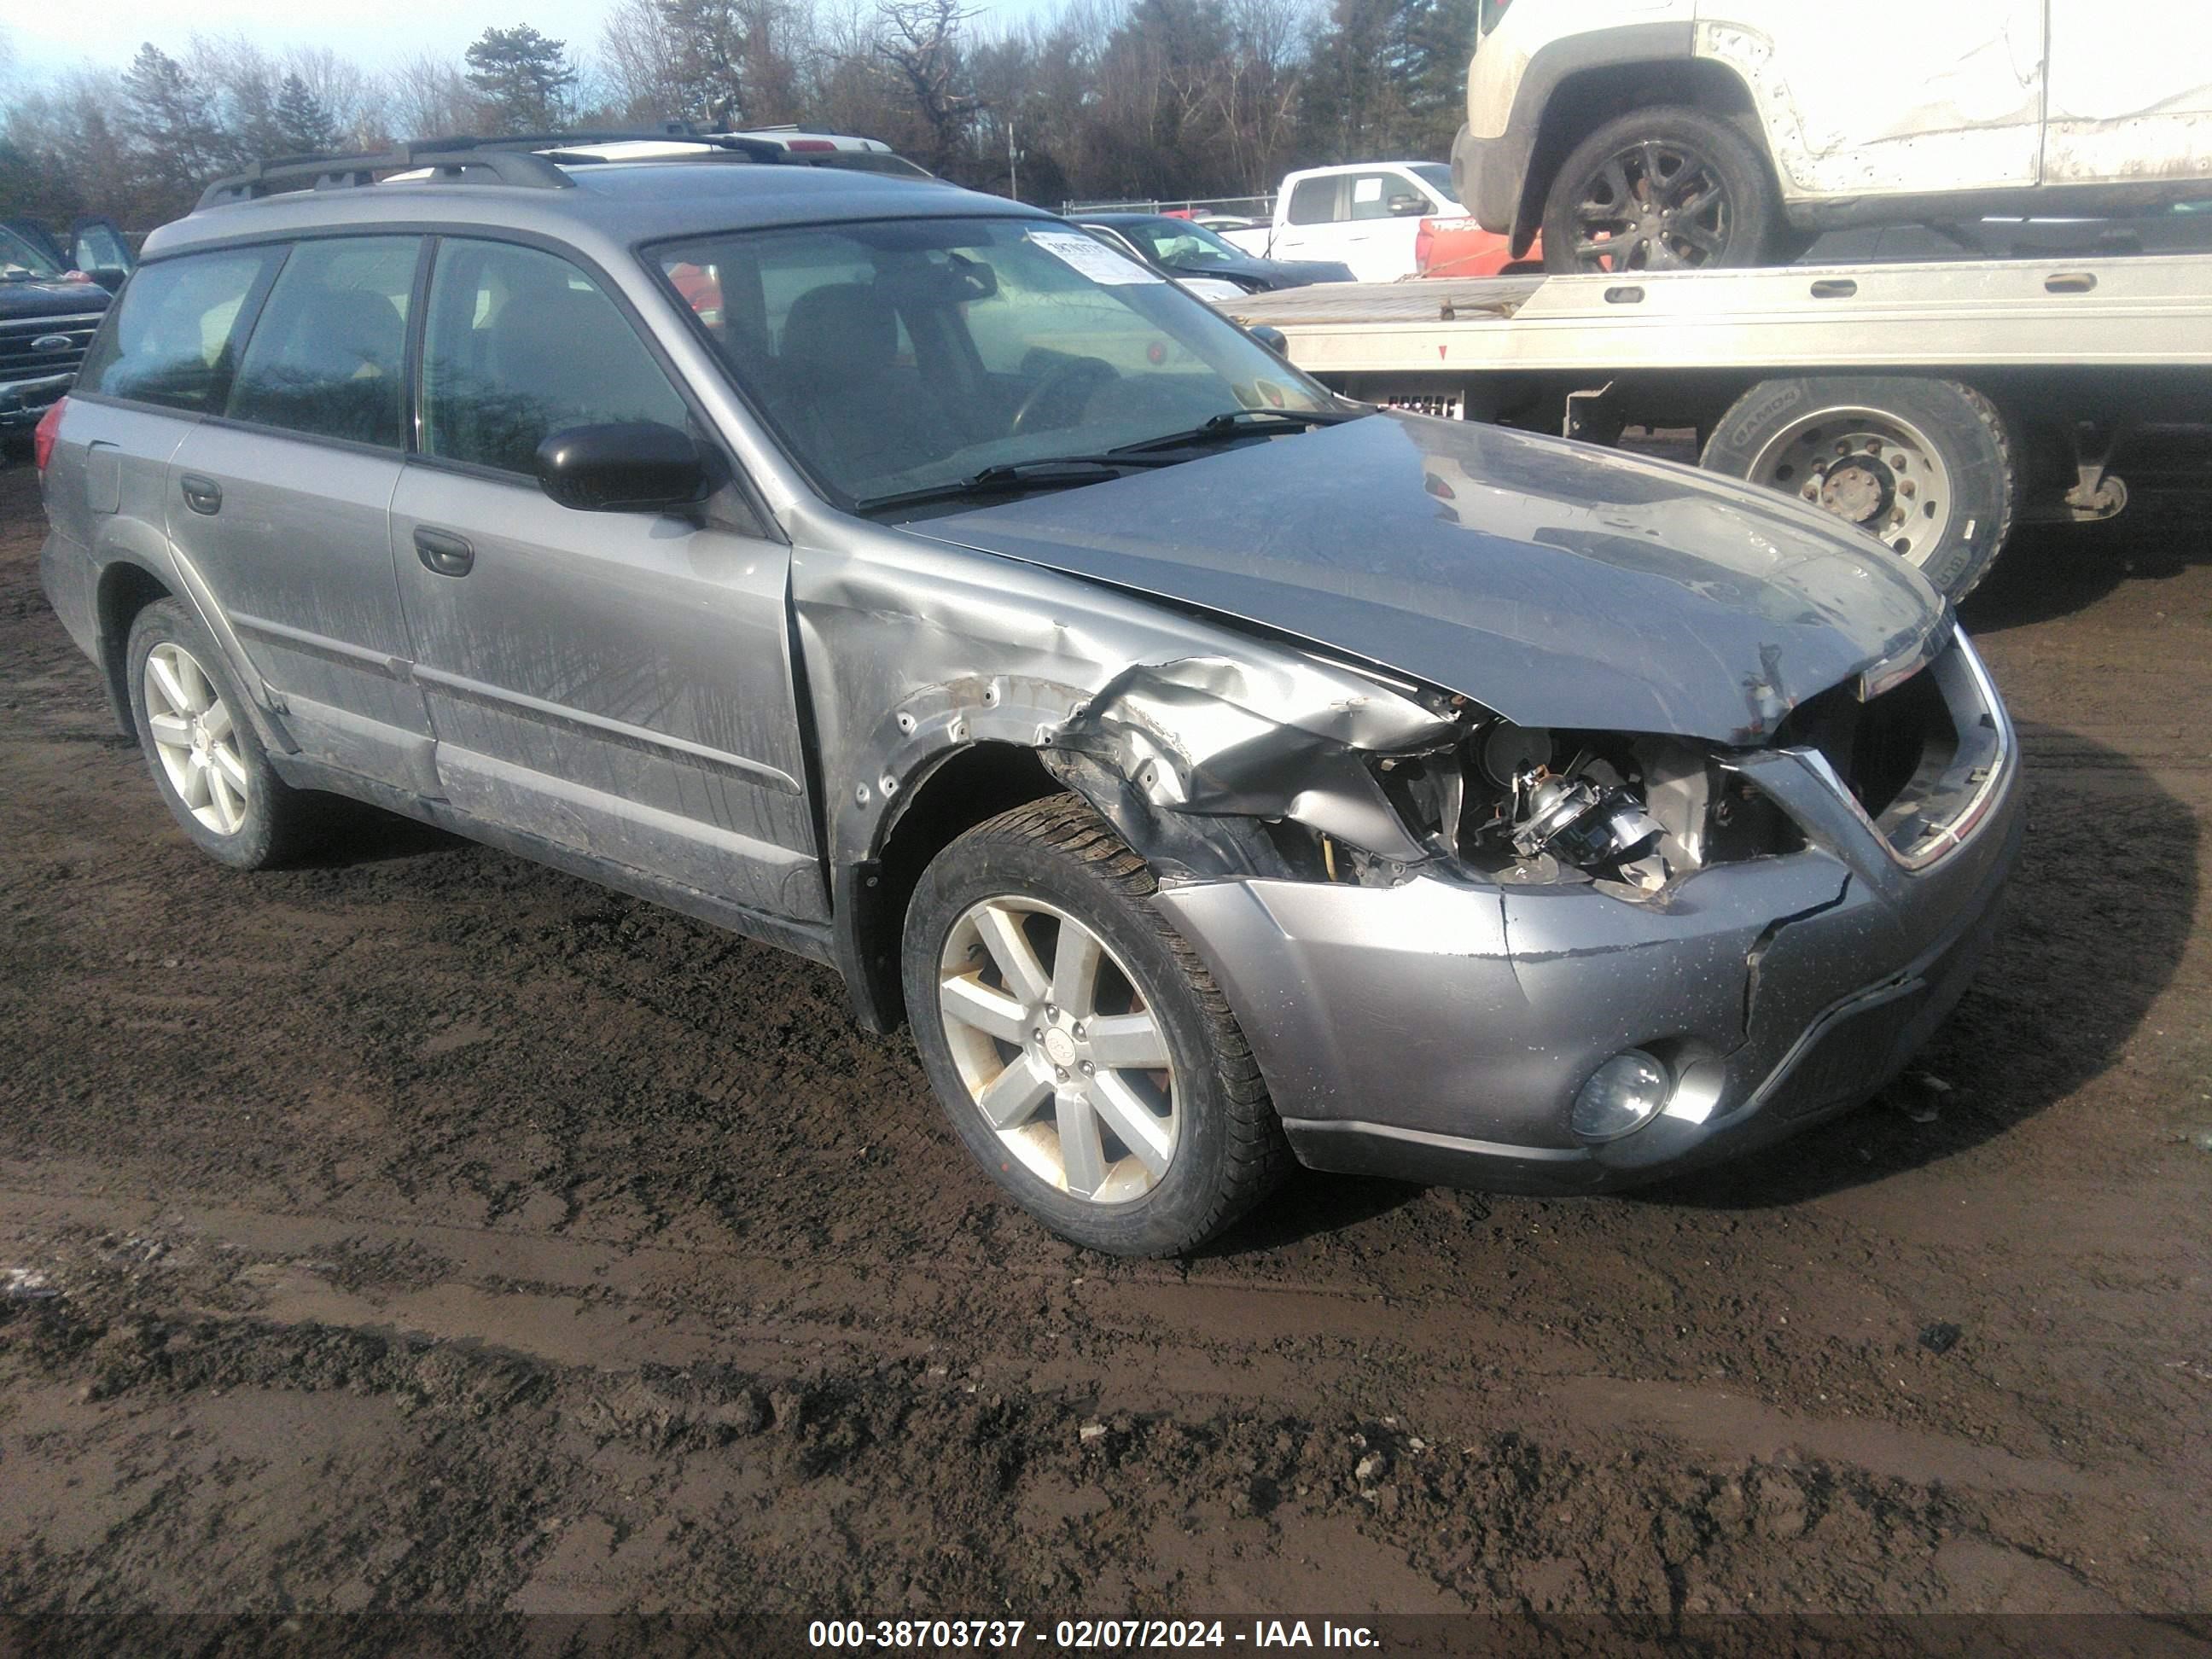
[(1212, 770)]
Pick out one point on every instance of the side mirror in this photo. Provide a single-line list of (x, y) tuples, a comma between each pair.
[(1406, 207), (1272, 338), (629, 466), (108, 276)]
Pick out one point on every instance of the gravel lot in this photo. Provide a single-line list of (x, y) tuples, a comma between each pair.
[(421, 1229)]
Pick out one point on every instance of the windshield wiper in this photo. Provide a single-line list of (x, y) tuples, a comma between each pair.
[(1012, 478), (1240, 423)]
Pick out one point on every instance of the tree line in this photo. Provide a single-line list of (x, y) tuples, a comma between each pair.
[(1098, 100)]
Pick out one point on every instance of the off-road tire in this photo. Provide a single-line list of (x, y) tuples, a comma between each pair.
[(1230, 1152)]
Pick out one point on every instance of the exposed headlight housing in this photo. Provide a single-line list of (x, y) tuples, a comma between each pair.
[(1621, 1097)]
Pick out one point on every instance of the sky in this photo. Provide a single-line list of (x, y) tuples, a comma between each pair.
[(41, 39)]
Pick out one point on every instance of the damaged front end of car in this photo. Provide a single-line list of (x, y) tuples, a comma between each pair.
[(1464, 948), (1371, 786)]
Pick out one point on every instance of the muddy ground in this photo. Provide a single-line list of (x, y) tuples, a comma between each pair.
[(421, 1229)]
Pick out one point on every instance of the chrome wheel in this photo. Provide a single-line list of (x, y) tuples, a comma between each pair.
[(196, 739), (1652, 206), (1869, 468), (1059, 1048)]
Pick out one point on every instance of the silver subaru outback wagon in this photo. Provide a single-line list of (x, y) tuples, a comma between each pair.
[(1212, 771)]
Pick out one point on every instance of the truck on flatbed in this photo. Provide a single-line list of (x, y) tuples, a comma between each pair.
[(1935, 405)]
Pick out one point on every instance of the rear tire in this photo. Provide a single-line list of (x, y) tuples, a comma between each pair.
[(200, 744), (1019, 1038), (1675, 188), (1926, 465)]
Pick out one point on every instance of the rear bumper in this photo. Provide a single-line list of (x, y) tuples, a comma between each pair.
[(65, 575), (1439, 1031)]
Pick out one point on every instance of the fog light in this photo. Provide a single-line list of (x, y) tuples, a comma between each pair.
[(1625, 1093)]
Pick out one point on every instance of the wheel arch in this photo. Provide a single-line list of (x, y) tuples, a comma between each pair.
[(125, 588), (948, 796), (1585, 99)]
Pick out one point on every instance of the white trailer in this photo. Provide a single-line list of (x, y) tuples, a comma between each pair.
[(1934, 405)]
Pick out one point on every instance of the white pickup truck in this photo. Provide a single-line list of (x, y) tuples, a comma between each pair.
[(1366, 214)]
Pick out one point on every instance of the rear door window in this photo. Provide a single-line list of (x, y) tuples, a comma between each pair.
[(174, 335), (97, 245), (1313, 202), (328, 354), (519, 345), (1371, 193)]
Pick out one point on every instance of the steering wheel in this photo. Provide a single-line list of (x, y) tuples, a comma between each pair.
[(1064, 391)]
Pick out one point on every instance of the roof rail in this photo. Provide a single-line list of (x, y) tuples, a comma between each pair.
[(513, 160)]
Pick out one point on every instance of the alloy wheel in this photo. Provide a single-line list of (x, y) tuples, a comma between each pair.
[(196, 738), (1652, 205), (1059, 1049)]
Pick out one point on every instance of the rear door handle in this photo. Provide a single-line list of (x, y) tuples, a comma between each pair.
[(443, 553), (201, 495)]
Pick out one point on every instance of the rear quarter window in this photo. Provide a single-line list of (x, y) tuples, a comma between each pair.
[(173, 338)]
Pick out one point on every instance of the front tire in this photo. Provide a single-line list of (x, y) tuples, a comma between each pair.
[(199, 741), (1665, 188), (1082, 1051)]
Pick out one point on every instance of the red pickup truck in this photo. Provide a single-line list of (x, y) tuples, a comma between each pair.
[(1461, 247)]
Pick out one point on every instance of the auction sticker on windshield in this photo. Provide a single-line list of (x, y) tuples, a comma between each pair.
[(1093, 258)]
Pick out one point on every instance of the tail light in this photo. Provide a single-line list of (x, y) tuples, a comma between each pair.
[(43, 437), (1425, 244)]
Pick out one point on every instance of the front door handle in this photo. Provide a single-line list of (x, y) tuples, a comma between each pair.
[(443, 553), (201, 495)]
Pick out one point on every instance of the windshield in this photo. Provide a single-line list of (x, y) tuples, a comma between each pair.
[(1180, 242), (907, 355), (19, 259), (1437, 177)]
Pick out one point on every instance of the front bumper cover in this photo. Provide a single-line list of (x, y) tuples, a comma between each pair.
[(1437, 1031)]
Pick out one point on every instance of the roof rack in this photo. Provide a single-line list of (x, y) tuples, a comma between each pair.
[(516, 159)]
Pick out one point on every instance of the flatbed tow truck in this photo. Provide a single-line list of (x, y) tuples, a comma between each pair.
[(1935, 405)]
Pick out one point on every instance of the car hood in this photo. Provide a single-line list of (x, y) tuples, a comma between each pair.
[(1275, 273), (38, 298), (1293, 273), (1555, 583)]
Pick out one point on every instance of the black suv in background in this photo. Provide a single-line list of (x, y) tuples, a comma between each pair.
[(50, 302)]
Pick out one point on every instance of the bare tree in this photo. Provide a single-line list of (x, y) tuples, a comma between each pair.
[(641, 58), (60, 154), (350, 95), (1135, 98), (427, 97), (920, 40), (244, 84)]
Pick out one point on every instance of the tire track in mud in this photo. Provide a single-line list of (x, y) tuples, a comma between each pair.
[(576, 1255)]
